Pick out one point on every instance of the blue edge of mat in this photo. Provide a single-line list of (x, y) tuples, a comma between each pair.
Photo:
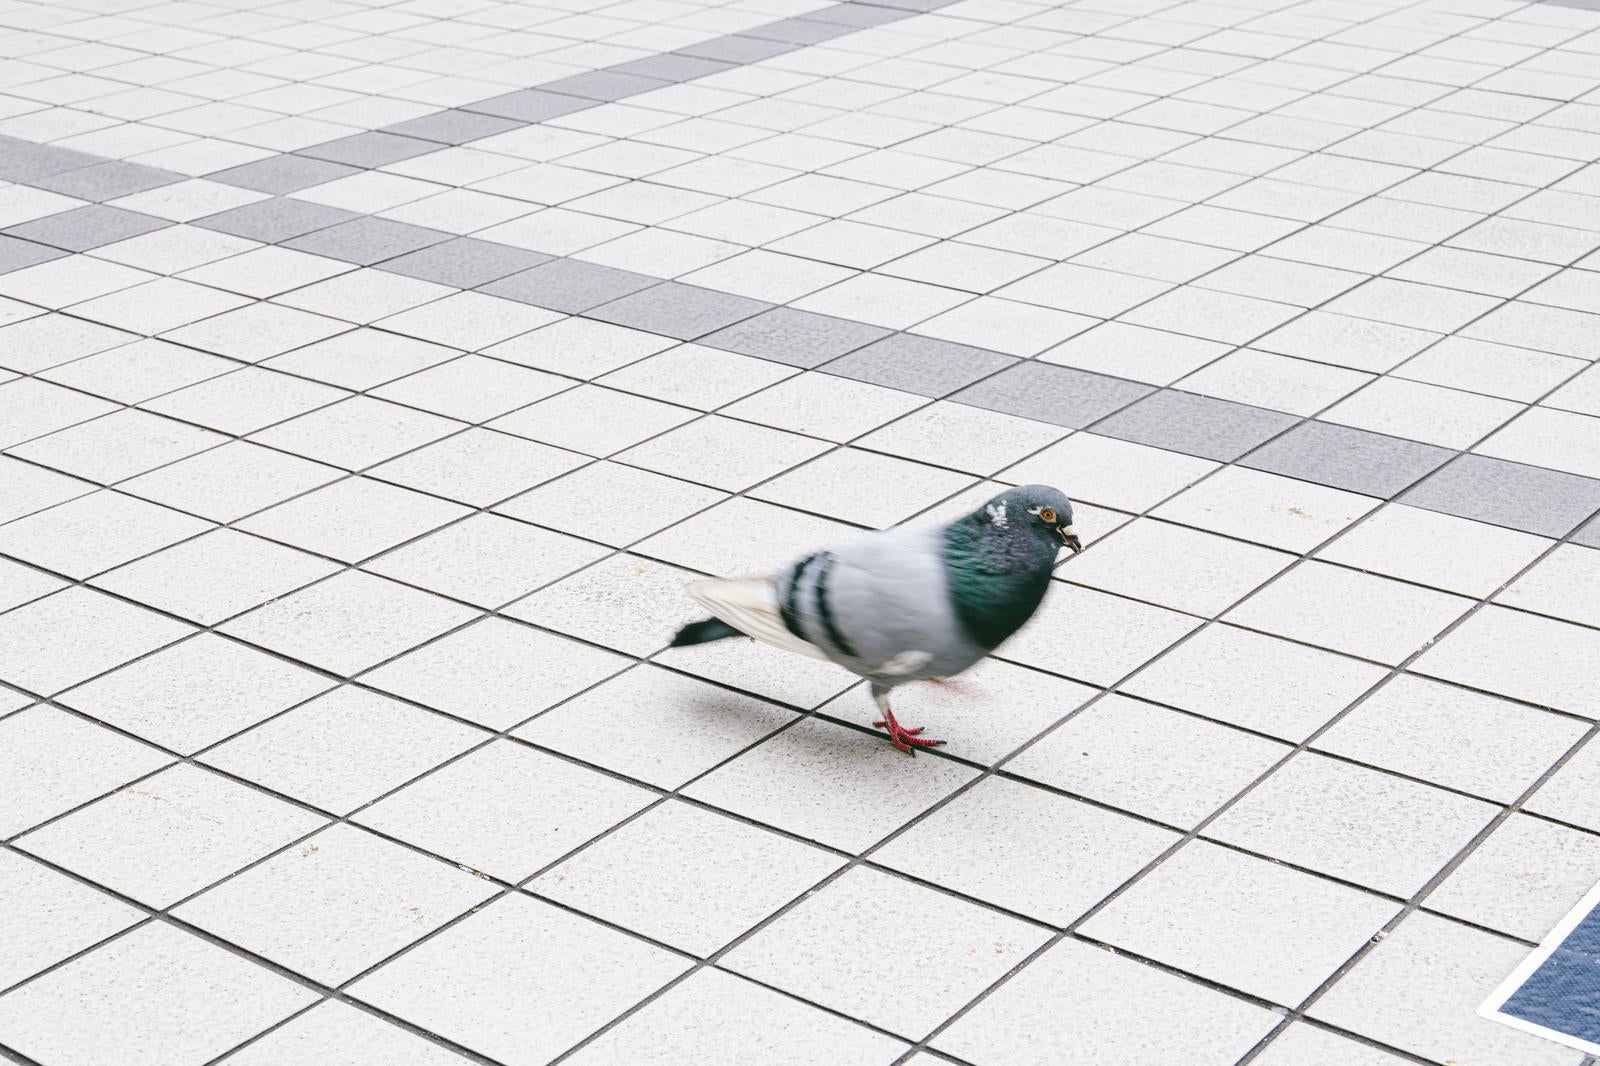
[(1555, 992)]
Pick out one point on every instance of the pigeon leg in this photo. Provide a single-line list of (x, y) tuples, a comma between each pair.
[(907, 740)]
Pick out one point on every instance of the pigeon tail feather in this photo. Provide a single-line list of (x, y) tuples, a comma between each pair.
[(704, 632)]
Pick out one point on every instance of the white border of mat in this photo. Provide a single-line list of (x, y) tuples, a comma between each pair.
[(1491, 1007)]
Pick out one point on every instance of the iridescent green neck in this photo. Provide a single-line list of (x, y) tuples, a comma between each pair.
[(997, 574)]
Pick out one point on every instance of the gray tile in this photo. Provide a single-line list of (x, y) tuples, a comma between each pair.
[(454, 127), (1587, 5), (367, 240), (1350, 459), (1529, 498), (1196, 425), (603, 85), (674, 309), (921, 365), (798, 338), (671, 67), (529, 105), (275, 220), (569, 285), (737, 49), (107, 181), (1589, 535), (88, 227), (16, 254), (799, 31), (26, 162), (1056, 394), (281, 174), (465, 262), (371, 149)]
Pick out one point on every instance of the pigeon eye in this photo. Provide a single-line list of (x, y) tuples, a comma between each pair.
[(1047, 514)]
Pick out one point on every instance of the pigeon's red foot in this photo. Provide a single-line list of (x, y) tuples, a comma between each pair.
[(949, 683), (907, 740)]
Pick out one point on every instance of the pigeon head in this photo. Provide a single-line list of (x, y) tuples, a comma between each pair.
[(1032, 510)]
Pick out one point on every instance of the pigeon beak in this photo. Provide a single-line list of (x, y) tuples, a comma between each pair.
[(1069, 537)]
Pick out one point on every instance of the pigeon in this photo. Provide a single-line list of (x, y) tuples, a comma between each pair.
[(912, 603)]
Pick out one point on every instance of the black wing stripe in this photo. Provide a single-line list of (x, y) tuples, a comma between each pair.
[(790, 607), (838, 638)]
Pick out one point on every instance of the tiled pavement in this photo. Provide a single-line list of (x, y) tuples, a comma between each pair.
[(372, 376)]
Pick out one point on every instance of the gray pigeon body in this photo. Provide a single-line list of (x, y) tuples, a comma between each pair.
[(904, 604)]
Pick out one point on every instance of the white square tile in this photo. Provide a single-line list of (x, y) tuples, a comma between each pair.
[(353, 519), (1175, 566), (54, 917), (469, 320), (748, 871), (696, 376), (521, 981), (580, 347), (611, 503), (473, 388), (170, 835), (348, 623), (838, 786), (487, 560), (859, 916), (714, 1016), (861, 487), (1246, 923), (1027, 850), (819, 405), (336, 904), (73, 635), (743, 536), (196, 693), (215, 576), (961, 437), (495, 672), (118, 446), (1122, 636), (506, 809), (93, 533), (593, 420), (1262, 683), (1427, 547), (358, 358), (227, 483), (156, 997), (343, 749), (479, 467), (1547, 670), (1523, 879), (58, 761), (1150, 761), (25, 488), (1078, 1002), (21, 584), (694, 726), (357, 433), (1419, 991), (1565, 585), (332, 1029), (1359, 825), (604, 602), (245, 401), (1269, 509), (723, 453), (1356, 613)]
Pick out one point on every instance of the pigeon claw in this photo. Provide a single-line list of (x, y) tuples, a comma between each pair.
[(907, 740)]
